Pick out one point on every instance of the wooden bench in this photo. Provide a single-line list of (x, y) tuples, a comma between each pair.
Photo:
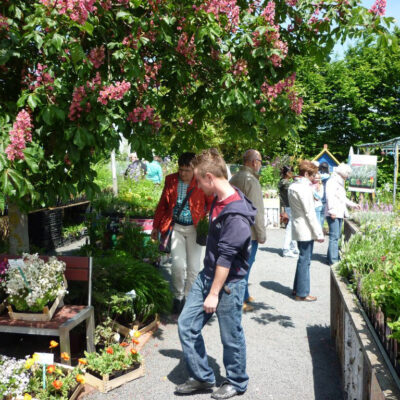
[(65, 318)]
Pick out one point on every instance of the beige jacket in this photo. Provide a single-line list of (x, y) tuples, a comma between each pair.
[(305, 226), (247, 181)]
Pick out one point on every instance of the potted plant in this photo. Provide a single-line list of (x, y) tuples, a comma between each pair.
[(58, 382), (30, 379), (34, 286), (202, 231), (114, 365), (14, 377)]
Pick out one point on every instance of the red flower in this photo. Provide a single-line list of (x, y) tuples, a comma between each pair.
[(109, 350), (57, 384), (383, 258), (124, 344)]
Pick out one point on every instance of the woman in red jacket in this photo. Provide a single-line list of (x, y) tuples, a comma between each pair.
[(185, 252)]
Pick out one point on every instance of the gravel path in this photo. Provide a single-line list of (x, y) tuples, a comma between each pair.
[(289, 352)]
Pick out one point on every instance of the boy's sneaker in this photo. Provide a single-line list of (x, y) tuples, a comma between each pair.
[(289, 253)]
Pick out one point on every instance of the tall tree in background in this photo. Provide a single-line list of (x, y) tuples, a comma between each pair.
[(351, 101)]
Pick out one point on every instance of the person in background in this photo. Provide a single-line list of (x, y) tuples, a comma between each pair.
[(154, 171), (185, 252), (325, 175), (247, 180), (219, 287), (305, 226), (136, 169), (336, 208), (318, 192), (289, 245)]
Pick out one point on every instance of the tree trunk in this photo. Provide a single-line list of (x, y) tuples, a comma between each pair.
[(19, 238)]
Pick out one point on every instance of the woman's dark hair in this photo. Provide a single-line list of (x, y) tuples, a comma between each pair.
[(324, 168), (185, 159), (285, 169)]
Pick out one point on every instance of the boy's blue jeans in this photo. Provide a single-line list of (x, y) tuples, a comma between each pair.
[(229, 313)]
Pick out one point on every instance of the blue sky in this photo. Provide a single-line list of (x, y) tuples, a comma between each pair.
[(392, 10)]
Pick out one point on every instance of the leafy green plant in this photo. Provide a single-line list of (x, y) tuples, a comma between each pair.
[(117, 273), (111, 359)]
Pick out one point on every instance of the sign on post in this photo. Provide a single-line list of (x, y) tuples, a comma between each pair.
[(363, 176)]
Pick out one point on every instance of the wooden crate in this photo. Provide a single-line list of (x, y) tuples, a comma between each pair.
[(44, 316), (124, 330), (106, 384)]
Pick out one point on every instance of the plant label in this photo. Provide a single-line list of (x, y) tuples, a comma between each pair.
[(45, 358)]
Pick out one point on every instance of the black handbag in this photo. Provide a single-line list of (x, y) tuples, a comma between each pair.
[(165, 238)]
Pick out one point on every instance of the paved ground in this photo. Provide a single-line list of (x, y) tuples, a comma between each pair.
[(289, 352)]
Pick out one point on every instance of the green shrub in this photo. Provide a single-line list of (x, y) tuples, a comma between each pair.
[(118, 273)]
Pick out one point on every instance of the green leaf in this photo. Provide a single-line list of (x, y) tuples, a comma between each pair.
[(57, 41), (77, 53), (33, 101)]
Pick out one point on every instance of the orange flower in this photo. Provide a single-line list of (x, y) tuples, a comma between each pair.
[(53, 344), (51, 369), (124, 344), (82, 361), (80, 379), (135, 341), (65, 356), (133, 351), (109, 350), (57, 384)]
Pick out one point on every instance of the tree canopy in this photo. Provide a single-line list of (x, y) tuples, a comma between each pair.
[(77, 74), (351, 101)]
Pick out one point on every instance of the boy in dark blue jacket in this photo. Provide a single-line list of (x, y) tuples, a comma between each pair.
[(220, 286)]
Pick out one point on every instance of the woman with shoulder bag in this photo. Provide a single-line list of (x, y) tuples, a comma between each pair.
[(182, 205)]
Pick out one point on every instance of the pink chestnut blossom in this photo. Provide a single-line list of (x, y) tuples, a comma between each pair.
[(113, 92), (97, 56), (19, 135), (77, 10), (142, 114), (227, 7), (379, 7), (269, 13), (3, 23)]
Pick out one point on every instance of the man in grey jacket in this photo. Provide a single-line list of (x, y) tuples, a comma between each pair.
[(247, 181)]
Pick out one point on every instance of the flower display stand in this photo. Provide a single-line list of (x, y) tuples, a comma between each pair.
[(108, 383)]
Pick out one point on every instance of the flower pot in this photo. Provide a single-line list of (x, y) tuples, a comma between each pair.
[(107, 382)]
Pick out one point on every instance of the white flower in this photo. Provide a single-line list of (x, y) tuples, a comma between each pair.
[(116, 337), (131, 294)]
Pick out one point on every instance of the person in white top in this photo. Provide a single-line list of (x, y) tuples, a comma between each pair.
[(318, 189), (305, 227), (336, 208)]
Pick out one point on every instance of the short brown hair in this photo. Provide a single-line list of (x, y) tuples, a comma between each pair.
[(210, 161), (307, 166)]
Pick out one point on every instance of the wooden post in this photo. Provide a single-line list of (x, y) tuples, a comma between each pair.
[(114, 173)]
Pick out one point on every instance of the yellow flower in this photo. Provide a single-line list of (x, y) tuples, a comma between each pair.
[(29, 362), (53, 344), (80, 378), (35, 357), (65, 356), (137, 334), (27, 396)]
